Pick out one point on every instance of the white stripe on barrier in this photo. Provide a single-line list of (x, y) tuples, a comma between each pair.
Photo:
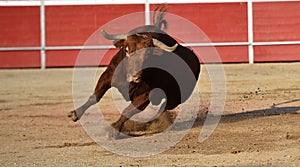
[(216, 44), (147, 12), (277, 43), (184, 44), (80, 47), (250, 31), (43, 34), (19, 48)]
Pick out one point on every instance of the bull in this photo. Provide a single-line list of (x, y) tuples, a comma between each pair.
[(142, 64)]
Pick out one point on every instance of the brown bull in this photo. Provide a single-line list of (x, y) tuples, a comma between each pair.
[(148, 58)]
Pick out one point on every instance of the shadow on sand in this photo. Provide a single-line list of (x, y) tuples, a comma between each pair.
[(260, 113), (140, 129), (273, 110)]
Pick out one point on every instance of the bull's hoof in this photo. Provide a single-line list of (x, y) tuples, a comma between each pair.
[(73, 116), (114, 135), (111, 133)]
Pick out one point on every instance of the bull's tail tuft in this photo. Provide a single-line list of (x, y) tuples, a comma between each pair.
[(158, 18)]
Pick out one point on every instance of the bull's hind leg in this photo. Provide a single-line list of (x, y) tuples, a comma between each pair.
[(138, 104), (104, 83)]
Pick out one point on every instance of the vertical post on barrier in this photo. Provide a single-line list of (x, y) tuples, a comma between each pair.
[(250, 32), (43, 34), (147, 12)]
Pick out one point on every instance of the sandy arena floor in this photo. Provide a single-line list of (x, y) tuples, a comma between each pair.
[(259, 126)]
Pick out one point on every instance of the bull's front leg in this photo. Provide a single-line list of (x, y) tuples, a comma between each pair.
[(138, 104), (104, 83)]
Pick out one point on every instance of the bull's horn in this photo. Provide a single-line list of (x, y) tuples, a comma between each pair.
[(164, 46), (113, 36)]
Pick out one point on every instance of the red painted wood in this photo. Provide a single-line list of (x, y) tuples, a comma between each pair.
[(277, 53), (73, 25), (222, 54), (221, 22), (20, 26), (20, 59), (80, 25), (70, 58), (276, 21), (210, 22)]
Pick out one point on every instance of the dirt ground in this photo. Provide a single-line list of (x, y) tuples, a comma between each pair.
[(259, 127)]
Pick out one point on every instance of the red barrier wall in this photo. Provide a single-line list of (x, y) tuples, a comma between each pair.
[(221, 22), (20, 27), (20, 59), (276, 21), (72, 25)]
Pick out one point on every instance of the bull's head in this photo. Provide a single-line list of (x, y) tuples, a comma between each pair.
[(138, 45)]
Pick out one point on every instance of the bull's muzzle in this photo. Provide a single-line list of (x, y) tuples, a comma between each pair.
[(135, 78)]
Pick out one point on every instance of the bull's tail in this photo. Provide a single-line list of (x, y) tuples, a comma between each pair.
[(158, 18)]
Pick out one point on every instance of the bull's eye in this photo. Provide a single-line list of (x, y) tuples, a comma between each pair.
[(127, 51)]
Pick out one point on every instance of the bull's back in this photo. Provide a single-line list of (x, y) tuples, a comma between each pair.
[(176, 74)]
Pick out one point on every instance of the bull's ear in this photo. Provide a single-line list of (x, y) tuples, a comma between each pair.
[(119, 43)]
